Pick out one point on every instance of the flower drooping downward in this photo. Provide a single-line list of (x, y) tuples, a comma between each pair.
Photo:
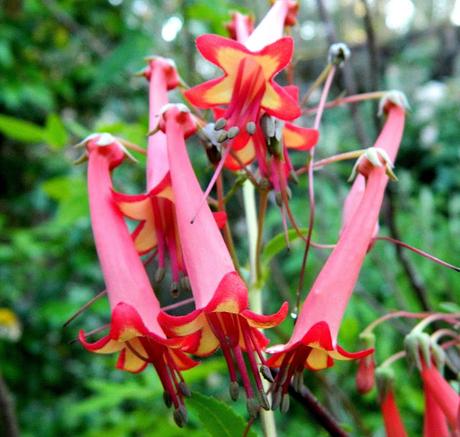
[(313, 344), (222, 317), (157, 229), (134, 330)]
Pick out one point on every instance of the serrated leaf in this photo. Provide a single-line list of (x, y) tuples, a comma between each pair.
[(278, 243), (218, 418), (55, 132), (21, 130)]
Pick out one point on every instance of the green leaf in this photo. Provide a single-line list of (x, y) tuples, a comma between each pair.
[(21, 130), (55, 132), (218, 418), (278, 243)]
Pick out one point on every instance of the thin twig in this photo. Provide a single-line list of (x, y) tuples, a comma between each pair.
[(7, 411)]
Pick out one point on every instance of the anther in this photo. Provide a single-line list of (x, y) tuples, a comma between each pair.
[(174, 289), (183, 387), (222, 137), (213, 154), (159, 274), (285, 403), (266, 373), (179, 417), (233, 132), (220, 124), (251, 128), (268, 126), (167, 399), (234, 390), (293, 177), (253, 407), (185, 284), (279, 199), (276, 399), (298, 381), (264, 403)]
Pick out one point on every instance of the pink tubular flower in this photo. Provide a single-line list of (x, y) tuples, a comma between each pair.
[(441, 393), (155, 210), (222, 316), (134, 330), (313, 344)]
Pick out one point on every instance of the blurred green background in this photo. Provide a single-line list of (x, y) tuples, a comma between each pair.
[(66, 70)]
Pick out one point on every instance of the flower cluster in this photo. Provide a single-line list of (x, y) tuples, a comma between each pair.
[(184, 232)]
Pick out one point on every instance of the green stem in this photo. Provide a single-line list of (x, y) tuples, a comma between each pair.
[(255, 296)]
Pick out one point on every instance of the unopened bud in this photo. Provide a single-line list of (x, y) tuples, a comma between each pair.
[(365, 378), (338, 54)]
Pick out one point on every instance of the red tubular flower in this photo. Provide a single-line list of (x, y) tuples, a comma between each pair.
[(134, 330), (434, 420), (313, 344), (441, 393), (222, 316), (394, 425)]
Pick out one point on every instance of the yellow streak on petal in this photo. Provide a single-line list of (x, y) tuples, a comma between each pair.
[(317, 358), (269, 64), (132, 362), (338, 356), (139, 210), (147, 237), (208, 341), (189, 328), (271, 98), (228, 306), (247, 153), (229, 59), (167, 193), (128, 333), (221, 92), (111, 347), (292, 139)]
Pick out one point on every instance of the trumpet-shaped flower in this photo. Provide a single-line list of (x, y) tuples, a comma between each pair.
[(313, 344), (394, 425), (441, 393), (434, 419), (134, 330), (154, 210), (222, 316)]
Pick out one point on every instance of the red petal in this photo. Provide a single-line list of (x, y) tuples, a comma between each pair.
[(262, 321), (299, 138), (210, 45)]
